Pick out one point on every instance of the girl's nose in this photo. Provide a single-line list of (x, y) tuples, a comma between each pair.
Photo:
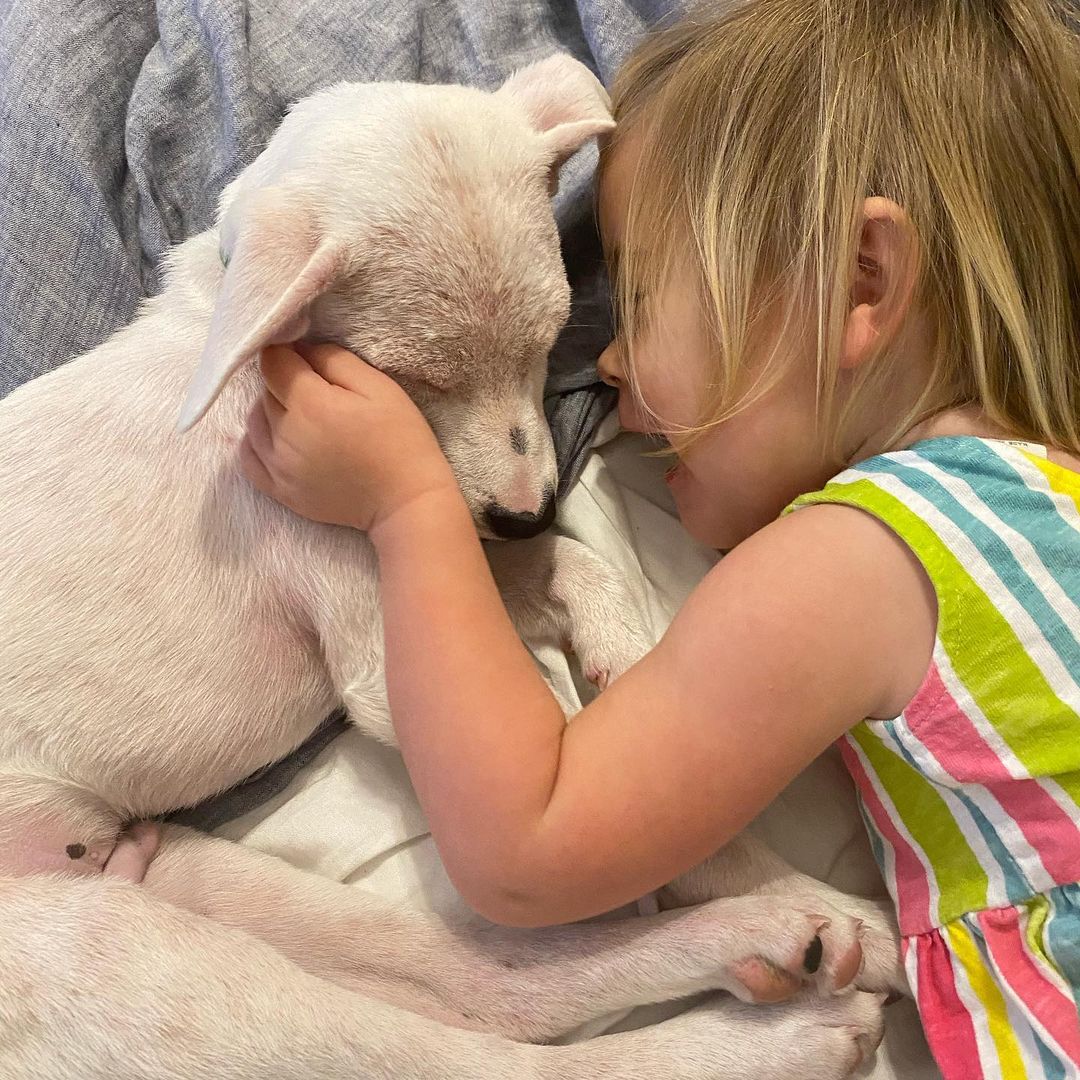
[(610, 366)]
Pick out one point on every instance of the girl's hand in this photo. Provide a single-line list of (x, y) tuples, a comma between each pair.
[(338, 441)]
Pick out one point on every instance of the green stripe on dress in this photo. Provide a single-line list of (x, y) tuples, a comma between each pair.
[(1001, 677), (961, 880)]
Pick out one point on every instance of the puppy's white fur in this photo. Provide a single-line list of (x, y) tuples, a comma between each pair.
[(165, 631)]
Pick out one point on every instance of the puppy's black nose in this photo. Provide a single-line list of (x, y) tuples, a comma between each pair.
[(509, 525)]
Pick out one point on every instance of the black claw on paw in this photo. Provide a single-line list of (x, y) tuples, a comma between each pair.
[(75, 851), (814, 952)]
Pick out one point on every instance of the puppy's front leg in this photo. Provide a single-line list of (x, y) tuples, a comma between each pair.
[(556, 587), (747, 866), (530, 985)]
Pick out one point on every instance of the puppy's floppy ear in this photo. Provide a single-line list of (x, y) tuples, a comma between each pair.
[(277, 265), (565, 102)]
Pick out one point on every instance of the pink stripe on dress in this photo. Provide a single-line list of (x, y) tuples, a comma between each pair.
[(1038, 995), (936, 720), (950, 1031), (912, 887), (1046, 827), (949, 733)]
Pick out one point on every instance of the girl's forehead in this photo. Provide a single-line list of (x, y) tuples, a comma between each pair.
[(617, 176)]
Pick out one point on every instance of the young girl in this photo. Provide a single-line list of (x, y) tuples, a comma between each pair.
[(845, 241)]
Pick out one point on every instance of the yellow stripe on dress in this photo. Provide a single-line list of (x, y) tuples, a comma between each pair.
[(995, 1019), (1061, 481)]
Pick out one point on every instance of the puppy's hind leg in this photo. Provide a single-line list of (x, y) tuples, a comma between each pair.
[(49, 825), (101, 981)]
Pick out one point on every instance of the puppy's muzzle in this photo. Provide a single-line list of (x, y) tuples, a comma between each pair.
[(512, 525)]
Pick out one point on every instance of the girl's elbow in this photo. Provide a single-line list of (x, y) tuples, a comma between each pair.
[(514, 912), (520, 903)]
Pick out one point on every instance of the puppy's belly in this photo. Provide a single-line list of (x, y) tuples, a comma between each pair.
[(152, 716), (229, 727), (148, 652)]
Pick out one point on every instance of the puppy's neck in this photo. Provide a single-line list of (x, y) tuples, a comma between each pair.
[(193, 272)]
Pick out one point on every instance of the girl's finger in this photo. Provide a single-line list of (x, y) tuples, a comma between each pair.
[(340, 367), (253, 469), (259, 435), (285, 373)]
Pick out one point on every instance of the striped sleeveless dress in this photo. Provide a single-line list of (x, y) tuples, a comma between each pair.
[(972, 795)]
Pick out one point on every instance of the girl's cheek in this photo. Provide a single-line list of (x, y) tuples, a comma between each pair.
[(631, 415)]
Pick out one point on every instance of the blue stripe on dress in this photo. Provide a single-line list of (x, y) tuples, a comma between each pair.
[(1035, 517), (996, 552), (1017, 885), (1061, 935), (1051, 1063), (877, 845)]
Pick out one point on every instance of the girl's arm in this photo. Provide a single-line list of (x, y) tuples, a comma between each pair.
[(816, 622)]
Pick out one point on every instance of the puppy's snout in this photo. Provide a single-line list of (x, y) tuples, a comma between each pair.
[(512, 525)]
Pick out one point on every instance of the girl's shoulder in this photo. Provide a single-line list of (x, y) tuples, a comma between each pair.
[(962, 491), (995, 524)]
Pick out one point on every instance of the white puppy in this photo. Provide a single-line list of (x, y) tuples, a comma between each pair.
[(165, 631)]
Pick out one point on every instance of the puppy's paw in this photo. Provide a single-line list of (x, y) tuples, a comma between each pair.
[(811, 1038), (799, 949), (881, 969), (607, 635), (606, 652), (830, 1038)]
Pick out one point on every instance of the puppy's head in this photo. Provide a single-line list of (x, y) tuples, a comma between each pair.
[(412, 224)]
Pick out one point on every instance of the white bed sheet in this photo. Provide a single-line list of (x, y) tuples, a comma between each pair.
[(352, 816)]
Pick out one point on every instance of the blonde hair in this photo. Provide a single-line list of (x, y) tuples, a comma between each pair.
[(767, 124)]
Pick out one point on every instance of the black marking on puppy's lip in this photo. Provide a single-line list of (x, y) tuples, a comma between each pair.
[(814, 952), (519, 441), (75, 851), (510, 525)]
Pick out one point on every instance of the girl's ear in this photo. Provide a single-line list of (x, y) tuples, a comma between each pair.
[(886, 271)]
